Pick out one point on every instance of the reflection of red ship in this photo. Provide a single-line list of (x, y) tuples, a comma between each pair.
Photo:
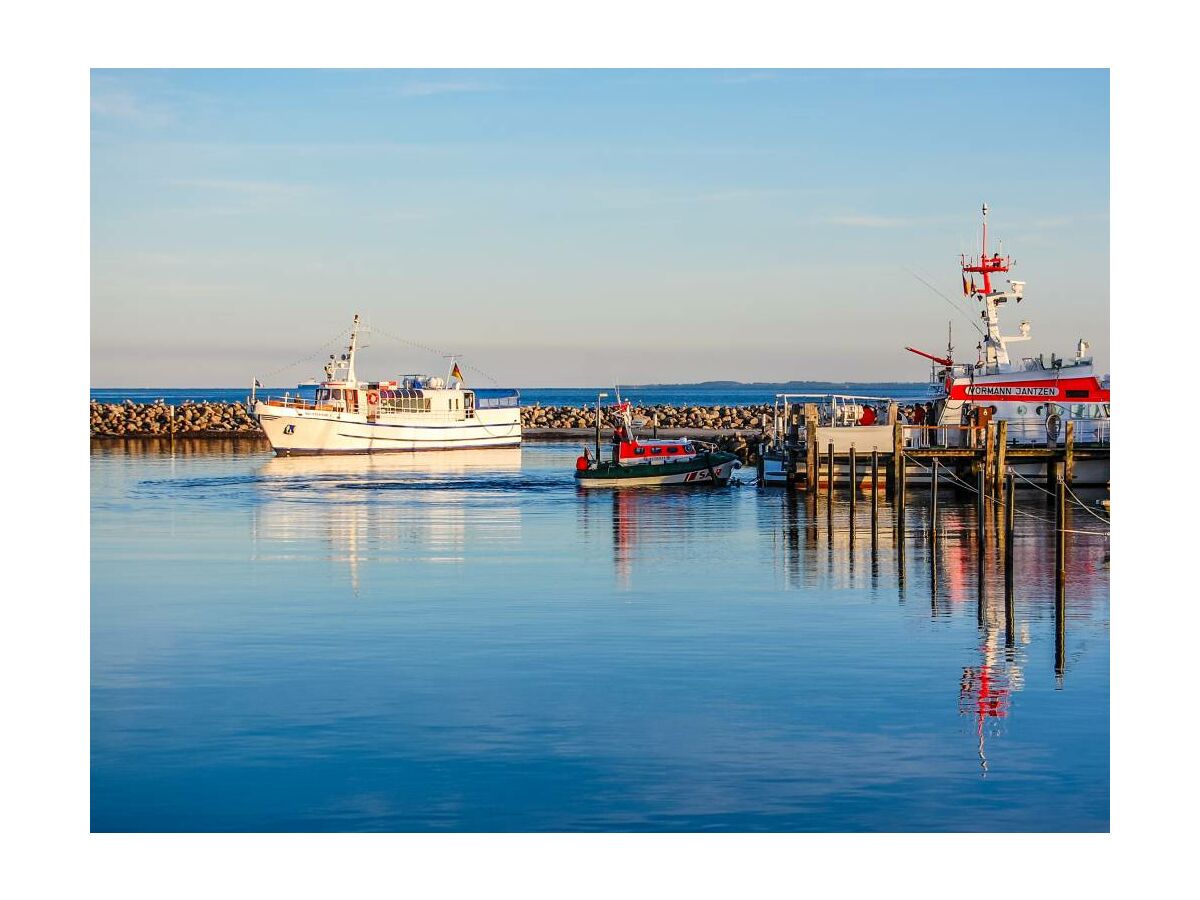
[(986, 689)]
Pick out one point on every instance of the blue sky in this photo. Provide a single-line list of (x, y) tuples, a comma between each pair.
[(584, 227)]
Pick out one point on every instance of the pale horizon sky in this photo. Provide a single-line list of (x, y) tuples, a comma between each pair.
[(567, 228)]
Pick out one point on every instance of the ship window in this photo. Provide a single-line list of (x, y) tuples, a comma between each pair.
[(687, 448), (1077, 394), (639, 451), (656, 450), (672, 449)]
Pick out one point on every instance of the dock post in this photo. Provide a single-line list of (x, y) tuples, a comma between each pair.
[(933, 492), (895, 466), (656, 423), (981, 507), (1060, 525), (829, 496), (989, 450), (1001, 452), (1009, 575), (853, 478), (811, 462), (1010, 521), (874, 488), (1069, 451)]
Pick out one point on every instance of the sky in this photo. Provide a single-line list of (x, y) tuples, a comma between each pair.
[(576, 228)]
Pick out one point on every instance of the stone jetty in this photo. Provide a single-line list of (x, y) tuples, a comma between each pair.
[(674, 418), (131, 419)]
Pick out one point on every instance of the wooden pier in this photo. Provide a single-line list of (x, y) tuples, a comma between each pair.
[(987, 457)]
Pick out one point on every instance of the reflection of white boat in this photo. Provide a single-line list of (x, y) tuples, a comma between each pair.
[(379, 508), (449, 462), (419, 412)]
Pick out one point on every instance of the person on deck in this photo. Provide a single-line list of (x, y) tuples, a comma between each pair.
[(918, 419)]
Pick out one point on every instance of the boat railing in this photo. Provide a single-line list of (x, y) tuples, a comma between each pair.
[(1094, 430), (290, 402), (943, 435)]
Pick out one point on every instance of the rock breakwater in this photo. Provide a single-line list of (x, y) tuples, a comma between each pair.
[(131, 419), (714, 418)]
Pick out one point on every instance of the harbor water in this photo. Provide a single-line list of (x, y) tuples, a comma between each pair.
[(467, 641)]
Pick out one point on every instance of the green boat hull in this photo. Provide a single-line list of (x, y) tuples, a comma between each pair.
[(705, 469)]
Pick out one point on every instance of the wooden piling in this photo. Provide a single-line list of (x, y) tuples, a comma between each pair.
[(829, 475), (1001, 452), (981, 506), (811, 463), (875, 489), (933, 492), (1060, 527), (853, 479), (1069, 451), (1010, 521), (1010, 615), (989, 450)]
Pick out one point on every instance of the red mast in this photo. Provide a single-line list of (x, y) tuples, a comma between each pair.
[(984, 265)]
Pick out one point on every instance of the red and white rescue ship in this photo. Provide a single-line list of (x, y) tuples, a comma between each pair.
[(1035, 396)]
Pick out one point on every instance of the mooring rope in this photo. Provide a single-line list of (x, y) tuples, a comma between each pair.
[(1020, 512)]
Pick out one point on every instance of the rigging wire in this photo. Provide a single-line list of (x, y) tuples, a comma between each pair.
[(375, 329), (958, 309), (320, 351)]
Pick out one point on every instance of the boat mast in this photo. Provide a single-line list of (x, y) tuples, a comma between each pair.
[(995, 350), (350, 376)]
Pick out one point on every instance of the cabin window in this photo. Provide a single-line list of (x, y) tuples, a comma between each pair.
[(656, 450), (687, 448), (672, 449), (1075, 395), (639, 451)]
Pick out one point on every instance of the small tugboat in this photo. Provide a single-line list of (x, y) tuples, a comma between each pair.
[(416, 412), (641, 462)]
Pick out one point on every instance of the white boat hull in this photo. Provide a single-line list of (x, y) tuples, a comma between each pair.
[(301, 432)]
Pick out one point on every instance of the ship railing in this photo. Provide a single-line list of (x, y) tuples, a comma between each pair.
[(290, 402), (833, 410), (943, 435), (1091, 430)]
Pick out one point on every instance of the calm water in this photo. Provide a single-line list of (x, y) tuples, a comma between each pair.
[(463, 641)]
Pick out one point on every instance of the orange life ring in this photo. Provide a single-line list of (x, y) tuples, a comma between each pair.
[(372, 398)]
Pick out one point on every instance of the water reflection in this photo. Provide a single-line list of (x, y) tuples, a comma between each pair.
[(361, 508), (520, 656)]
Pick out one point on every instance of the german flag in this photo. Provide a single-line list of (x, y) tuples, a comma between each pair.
[(456, 373), (965, 291)]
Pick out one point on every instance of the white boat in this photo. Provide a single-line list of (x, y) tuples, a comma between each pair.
[(416, 412)]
